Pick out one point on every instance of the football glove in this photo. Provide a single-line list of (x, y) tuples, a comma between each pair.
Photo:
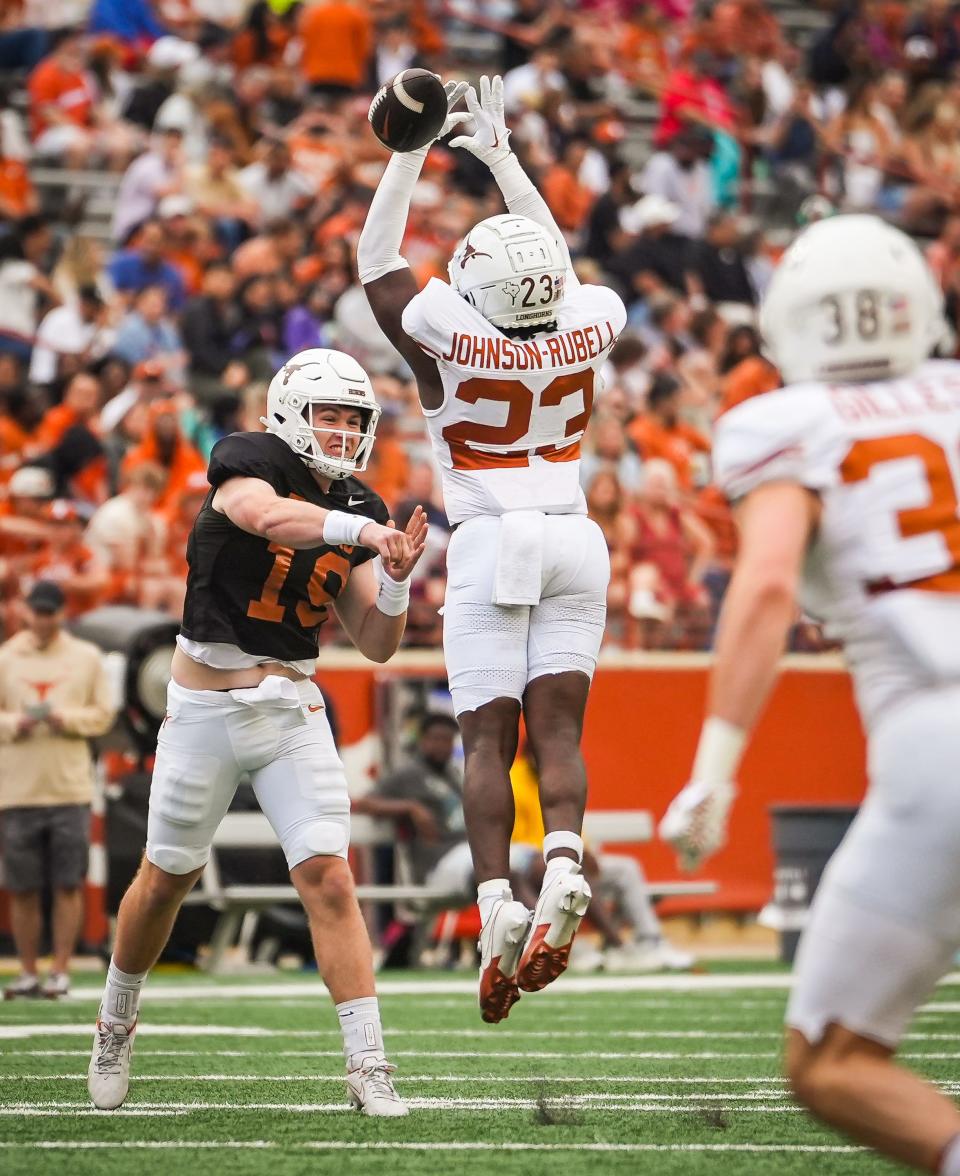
[(455, 91), (490, 142), (695, 824)]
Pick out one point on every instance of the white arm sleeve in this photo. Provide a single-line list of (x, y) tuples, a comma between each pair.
[(522, 198), (378, 250)]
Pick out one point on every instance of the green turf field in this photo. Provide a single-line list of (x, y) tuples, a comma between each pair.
[(246, 1077)]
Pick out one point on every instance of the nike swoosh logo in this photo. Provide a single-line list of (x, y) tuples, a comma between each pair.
[(351, 501), (314, 707)]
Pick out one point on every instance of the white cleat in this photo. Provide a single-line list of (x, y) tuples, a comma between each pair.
[(501, 944), (57, 984), (560, 908), (108, 1078), (372, 1092), (655, 955), (24, 987)]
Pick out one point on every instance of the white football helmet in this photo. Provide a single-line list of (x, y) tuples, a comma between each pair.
[(512, 270), (313, 379), (853, 299)]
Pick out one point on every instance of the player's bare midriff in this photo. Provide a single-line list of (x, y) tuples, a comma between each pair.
[(191, 675)]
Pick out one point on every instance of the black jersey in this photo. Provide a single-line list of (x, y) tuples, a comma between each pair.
[(267, 599)]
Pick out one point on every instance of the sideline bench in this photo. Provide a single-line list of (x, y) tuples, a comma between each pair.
[(252, 830)]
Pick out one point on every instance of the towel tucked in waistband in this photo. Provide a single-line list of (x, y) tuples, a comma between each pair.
[(519, 574)]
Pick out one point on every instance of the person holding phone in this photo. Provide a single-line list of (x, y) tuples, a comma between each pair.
[(54, 696)]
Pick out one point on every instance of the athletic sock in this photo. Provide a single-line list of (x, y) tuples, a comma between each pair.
[(556, 866), (361, 1029), (121, 997), (490, 892)]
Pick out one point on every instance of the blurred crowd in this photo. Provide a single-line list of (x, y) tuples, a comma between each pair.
[(182, 184)]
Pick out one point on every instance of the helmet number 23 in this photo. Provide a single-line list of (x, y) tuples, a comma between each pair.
[(859, 320)]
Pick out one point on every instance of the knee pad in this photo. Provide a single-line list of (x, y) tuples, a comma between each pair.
[(175, 859), (327, 836)]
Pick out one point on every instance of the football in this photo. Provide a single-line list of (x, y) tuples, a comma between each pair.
[(409, 110)]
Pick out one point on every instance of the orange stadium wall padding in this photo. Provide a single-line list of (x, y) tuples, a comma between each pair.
[(642, 724)]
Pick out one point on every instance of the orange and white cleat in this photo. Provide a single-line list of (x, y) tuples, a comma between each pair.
[(501, 942), (560, 908)]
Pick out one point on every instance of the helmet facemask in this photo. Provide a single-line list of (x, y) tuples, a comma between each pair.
[(309, 383)]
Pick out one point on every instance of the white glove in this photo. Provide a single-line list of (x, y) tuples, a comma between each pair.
[(490, 142), (695, 824), (455, 91)]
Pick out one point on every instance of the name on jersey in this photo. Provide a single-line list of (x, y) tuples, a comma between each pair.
[(560, 350), (896, 400)]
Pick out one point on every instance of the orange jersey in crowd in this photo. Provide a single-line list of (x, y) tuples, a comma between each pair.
[(56, 421), (62, 564), (751, 377), (186, 460), (16, 191), (569, 200), (676, 445), (336, 43), (52, 85)]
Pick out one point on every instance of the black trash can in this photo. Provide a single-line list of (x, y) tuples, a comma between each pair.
[(804, 839)]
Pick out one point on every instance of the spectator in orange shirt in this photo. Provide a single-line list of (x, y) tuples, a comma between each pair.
[(659, 432), (643, 51), (262, 41), (68, 442), (23, 525), (19, 415), (80, 407), (68, 561), (742, 28), (337, 41), (17, 195), (570, 201), (62, 94), (165, 445), (745, 371)]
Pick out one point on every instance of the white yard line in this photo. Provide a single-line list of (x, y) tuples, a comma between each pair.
[(459, 1146), (153, 1029), (91, 1112), (159, 1030), (685, 1098), (599, 1103), (592, 1079), (570, 985)]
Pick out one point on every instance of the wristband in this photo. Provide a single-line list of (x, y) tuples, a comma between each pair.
[(718, 752), (394, 595), (340, 528)]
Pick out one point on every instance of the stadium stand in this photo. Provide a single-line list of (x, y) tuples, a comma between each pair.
[(180, 202)]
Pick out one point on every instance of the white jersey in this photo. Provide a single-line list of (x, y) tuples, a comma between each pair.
[(507, 436), (883, 571)]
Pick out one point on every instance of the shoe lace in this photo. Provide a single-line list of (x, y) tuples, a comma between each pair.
[(377, 1077), (110, 1049)]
